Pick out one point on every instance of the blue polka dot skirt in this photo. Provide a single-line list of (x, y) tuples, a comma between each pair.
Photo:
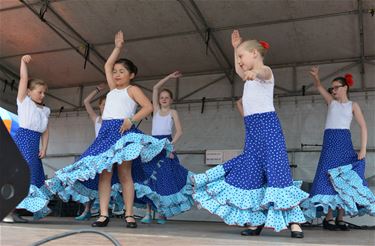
[(164, 183), (79, 181), (36, 202), (339, 180), (256, 187)]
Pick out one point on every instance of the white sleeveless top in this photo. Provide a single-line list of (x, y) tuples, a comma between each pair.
[(119, 105), (32, 117), (162, 125), (339, 115), (258, 96), (98, 125)]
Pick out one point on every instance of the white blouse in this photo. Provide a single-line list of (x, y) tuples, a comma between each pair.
[(31, 116)]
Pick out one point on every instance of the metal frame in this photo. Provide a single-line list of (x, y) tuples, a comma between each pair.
[(193, 12)]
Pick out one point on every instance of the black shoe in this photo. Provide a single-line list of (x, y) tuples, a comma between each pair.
[(341, 225), (296, 234), (101, 223), (329, 226), (130, 224), (14, 218), (252, 232)]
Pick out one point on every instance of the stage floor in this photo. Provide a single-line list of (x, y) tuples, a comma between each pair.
[(173, 233)]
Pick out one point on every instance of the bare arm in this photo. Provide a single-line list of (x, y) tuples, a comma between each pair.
[(362, 124), (315, 74), (155, 91), (146, 107), (240, 107), (236, 41), (177, 125), (87, 102), (108, 67), (24, 77), (44, 140)]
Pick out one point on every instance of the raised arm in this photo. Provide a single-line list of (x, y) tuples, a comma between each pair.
[(315, 74), (108, 67), (157, 86), (362, 124), (146, 107), (236, 41), (177, 125), (87, 101), (24, 77), (240, 106)]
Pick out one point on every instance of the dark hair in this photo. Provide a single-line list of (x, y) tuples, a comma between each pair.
[(343, 82), (102, 98), (168, 91), (128, 64)]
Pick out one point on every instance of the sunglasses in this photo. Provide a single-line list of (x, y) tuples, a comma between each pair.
[(335, 88)]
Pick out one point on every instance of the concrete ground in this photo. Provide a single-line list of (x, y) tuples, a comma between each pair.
[(179, 233)]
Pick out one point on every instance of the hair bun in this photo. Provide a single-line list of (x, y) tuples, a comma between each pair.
[(349, 79), (264, 44)]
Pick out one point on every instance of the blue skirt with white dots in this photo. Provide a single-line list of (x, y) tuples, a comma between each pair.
[(339, 180), (79, 181), (36, 202), (256, 187), (164, 183)]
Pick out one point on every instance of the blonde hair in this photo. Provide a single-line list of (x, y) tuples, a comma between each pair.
[(32, 83), (249, 45)]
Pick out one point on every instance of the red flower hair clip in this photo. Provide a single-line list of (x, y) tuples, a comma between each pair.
[(264, 44), (349, 79)]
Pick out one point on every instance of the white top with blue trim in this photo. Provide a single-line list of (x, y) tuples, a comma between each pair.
[(339, 115), (119, 105), (162, 125), (258, 96), (31, 116)]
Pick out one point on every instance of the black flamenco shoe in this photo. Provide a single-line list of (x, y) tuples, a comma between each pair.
[(329, 226), (296, 234), (341, 225), (252, 232), (131, 224), (103, 223)]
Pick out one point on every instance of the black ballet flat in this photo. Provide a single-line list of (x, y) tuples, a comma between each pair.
[(296, 234), (329, 226), (101, 223), (341, 225), (252, 232), (131, 224)]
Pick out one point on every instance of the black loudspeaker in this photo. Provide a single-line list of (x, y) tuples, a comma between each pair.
[(14, 174)]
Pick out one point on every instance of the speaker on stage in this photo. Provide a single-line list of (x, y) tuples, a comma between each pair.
[(14, 173)]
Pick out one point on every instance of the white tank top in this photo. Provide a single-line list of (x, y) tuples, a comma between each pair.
[(258, 96), (98, 125), (32, 117), (119, 105), (162, 125), (339, 115)]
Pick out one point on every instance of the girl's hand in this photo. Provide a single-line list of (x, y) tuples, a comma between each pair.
[(101, 86), (119, 39), (362, 154), (26, 59), (42, 154), (315, 72), (250, 75), (175, 75), (236, 39), (125, 126)]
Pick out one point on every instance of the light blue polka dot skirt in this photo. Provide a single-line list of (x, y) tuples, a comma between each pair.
[(79, 181), (36, 202), (256, 187), (164, 183), (339, 180)]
